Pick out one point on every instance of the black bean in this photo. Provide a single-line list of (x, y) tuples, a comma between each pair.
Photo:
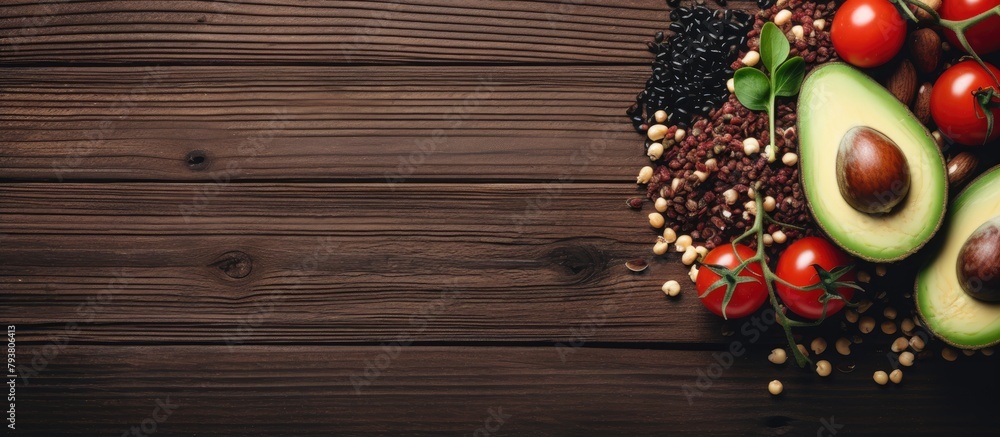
[(691, 66)]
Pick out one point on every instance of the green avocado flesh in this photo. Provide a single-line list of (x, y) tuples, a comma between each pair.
[(834, 99), (948, 311)]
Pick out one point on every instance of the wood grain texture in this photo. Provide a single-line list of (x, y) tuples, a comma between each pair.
[(337, 263), (272, 391), (316, 123), (328, 32)]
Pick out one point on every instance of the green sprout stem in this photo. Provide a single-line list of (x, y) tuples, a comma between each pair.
[(771, 149)]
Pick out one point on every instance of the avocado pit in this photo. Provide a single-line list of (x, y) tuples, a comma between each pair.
[(872, 171), (979, 262)]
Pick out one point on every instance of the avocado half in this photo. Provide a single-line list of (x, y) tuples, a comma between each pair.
[(834, 99), (950, 313)]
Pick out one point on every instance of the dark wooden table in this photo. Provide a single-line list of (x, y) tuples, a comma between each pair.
[(296, 217)]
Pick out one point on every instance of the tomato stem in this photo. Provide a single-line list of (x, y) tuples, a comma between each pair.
[(959, 27), (770, 278)]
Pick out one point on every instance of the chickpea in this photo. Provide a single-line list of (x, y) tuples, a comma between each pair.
[(900, 344), (896, 376), (778, 356), (660, 204), (730, 195), (669, 235), (775, 387), (782, 17), (799, 32), (790, 159), (880, 377), (866, 324), (949, 354), (684, 241), (656, 132), (888, 327), (655, 151), (661, 246), (818, 345), (671, 288), (843, 346), (645, 174), (769, 204), (802, 350), (779, 237), (881, 270), (889, 313), (851, 316), (907, 326), (823, 368), (656, 220), (690, 255), (906, 359)]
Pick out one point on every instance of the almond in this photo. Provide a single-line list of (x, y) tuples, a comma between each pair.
[(922, 105), (925, 49), (961, 168), (922, 15), (903, 82)]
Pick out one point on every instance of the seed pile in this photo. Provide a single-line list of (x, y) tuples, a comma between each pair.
[(691, 67), (706, 171)]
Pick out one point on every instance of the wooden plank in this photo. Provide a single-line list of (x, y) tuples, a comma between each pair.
[(332, 32), (102, 390), (330, 263), (347, 123)]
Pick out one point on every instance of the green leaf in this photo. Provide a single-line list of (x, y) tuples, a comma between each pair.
[(984, 98), (788, 78), (774, 46), (753, 89)]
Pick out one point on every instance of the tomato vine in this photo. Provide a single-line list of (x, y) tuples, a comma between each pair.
[(829, 280), (986, 98)]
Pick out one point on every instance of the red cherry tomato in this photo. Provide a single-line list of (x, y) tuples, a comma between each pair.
[(954, 108), (747, 297), (796, 267), (984, 37), (868, 33)]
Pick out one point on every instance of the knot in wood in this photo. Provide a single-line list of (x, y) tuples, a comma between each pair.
[(235, 264)]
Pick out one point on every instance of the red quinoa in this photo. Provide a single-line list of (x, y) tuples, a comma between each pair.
[(699, 208)]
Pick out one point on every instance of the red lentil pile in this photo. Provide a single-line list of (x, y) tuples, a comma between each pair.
[(700, 166)]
